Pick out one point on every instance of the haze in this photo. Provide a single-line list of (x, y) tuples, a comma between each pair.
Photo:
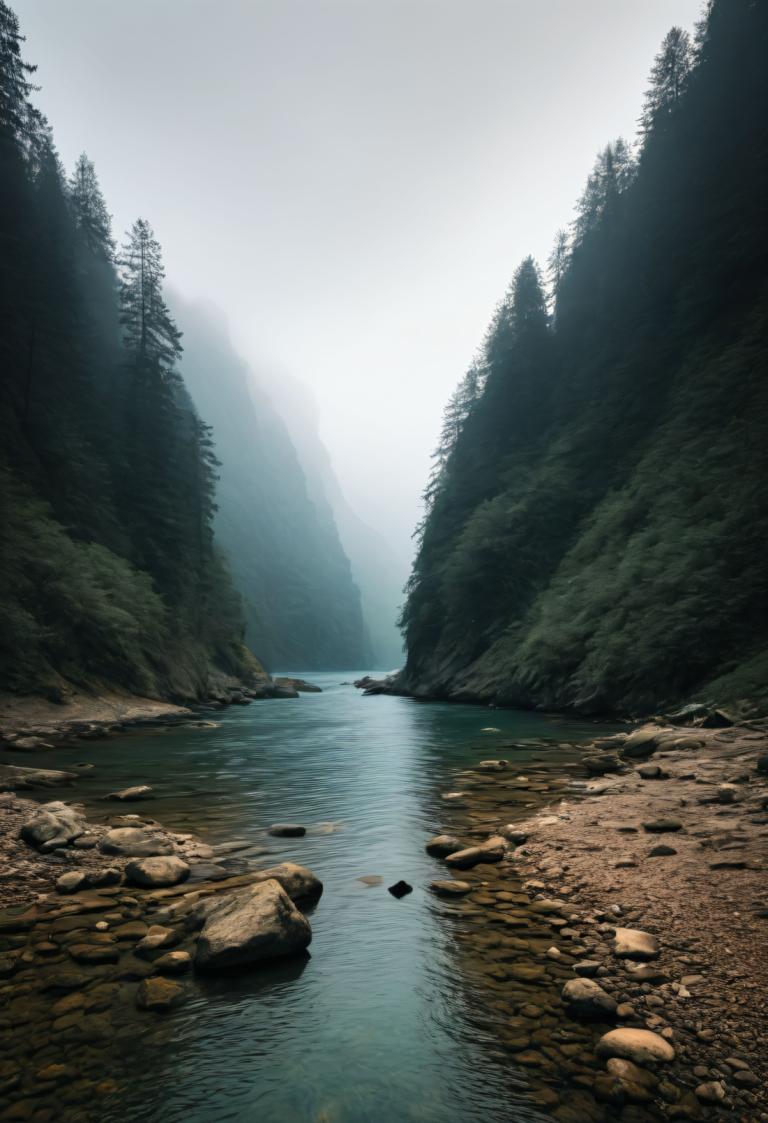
[(352, 182)]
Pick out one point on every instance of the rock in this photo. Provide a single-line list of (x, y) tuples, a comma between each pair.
[(601, 763), (492, 850), (625, 864), (299, 883), (287, 830), (251, 925), (711, 1093), (134, 842), (442, 845), (299, 685), (94, 953), (450, 888), (627, 1071), (156, 938), (586, 968), (640, 1046), (100, 879), (157, 872), (174, 963), (371, 879), (400, 889), (29, 744), (159, 994), (745, 1078), (762, 764), (631, 943), (15, 776), (727, 793), (717, 719), (642, 743), (132, 795), (661, 851), (650, 772), (53, 825), (512, 834), (585, 998), (492, 765), (71, 881), (659, 826)]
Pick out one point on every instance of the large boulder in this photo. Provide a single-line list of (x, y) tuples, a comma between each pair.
[(252, 925), (640, 1046), (158, 872), (642, 743), (53, 825), (584, 998), (134, 842), (298, 882)]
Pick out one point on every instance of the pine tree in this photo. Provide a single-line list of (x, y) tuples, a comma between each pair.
[(669, 75), (15, 86), (151, 339), (557, 265), (90, 211)]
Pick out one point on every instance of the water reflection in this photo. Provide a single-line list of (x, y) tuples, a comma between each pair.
[(375, 1024)]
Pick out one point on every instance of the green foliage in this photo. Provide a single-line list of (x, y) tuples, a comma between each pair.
[(108, 569), (597, 536)]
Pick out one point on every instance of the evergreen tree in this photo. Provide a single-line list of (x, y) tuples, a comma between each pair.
[(92, 219), (669, 76)]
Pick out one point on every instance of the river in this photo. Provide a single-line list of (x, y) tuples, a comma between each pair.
[(375, 1026)]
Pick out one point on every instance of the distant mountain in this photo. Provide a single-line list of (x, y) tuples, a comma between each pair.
[(302, 606), (378, 571)]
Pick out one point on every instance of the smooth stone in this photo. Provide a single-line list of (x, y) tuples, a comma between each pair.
[(132, 795), (159, 994), (631, 1073), (660, 826), (650, 772), (473, 855), (371, 879), (157, 872), (587, 968), (450, 888), (640, 1046), (251, 925), (631, 943), (642, 743), (713, 1092), (298, 882), (586, 999), (287, 830), (174, 963), (155, 938), (94, 953), (661, 851), (134, 842), (71, 881), (442, 845)]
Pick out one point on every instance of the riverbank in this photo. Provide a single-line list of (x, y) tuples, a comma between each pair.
[(667, 837)]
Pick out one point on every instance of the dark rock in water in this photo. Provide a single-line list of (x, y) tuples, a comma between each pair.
[(287, 830), (661, 851), (298, 685), (400, 889), (159, 994)]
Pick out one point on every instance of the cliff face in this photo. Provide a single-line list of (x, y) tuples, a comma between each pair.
[(301, 603), (596, 533)]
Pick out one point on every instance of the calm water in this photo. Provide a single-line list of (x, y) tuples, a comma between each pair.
[(375, 1025)]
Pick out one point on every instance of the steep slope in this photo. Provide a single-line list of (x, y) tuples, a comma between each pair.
[(109, 574), (302, 606), (379, 574), (595, 535)]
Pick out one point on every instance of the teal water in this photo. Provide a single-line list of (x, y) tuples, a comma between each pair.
[(376, 1025)]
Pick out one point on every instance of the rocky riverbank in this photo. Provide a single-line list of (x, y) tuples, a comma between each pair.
[(105, 926), (615, 939)]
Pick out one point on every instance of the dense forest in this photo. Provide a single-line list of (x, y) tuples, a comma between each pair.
[(109, 571), (302, 606), (595, 528)]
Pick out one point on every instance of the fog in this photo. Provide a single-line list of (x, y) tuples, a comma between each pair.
[(352, 182)]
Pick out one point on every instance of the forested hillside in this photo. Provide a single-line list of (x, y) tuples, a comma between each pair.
[(302, 606), (596, 526), (108, 571)]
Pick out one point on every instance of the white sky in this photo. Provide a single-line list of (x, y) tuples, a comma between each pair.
[(352, 181)]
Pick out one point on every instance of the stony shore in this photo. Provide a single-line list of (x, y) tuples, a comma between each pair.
[(636, 900)]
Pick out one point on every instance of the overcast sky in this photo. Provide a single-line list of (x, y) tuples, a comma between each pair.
[(352, 181)]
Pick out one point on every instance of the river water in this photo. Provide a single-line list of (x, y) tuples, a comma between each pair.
[(375, 1026)]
